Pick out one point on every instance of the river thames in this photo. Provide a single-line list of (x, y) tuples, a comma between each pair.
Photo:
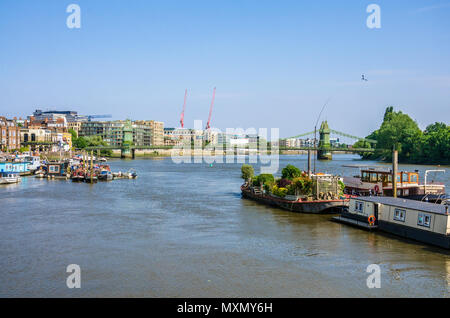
[(183, 230)]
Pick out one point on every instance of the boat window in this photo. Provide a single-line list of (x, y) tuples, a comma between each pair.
[(398, 178), (399, 215), (424, 220), (54, 168), (373, 177), (359, 206), (404, 177), (365, 176), (389, 178), (414, 178)]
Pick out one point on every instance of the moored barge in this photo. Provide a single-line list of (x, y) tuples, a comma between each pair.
[(297, 204), (420, 221)]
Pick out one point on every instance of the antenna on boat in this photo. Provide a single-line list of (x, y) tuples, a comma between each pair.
[(315, 131)]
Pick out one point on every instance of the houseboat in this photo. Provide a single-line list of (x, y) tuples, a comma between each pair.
[(19, 167), (376, 181), (420, 221), (57, 170)]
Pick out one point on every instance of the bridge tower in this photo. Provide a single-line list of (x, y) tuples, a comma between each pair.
[(323, 152), (127, 141)]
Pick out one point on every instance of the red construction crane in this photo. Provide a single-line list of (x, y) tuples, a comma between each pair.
[(210, 110), (184, 107)]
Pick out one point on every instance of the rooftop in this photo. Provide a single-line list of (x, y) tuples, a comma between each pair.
[(407, 204)]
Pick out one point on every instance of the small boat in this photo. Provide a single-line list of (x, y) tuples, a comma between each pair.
[(105, 175), (131, 174), (77, 175), (88, 179), (9, 177), (39, 174)]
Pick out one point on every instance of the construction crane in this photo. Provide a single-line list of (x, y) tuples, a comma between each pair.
[(184, 107), (210, 110), (90, 117)]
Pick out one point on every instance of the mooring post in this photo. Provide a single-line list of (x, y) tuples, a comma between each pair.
[(309, 163), (394, 172), (92, 164)]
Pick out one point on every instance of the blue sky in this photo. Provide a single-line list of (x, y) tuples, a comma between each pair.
[(274, 62)]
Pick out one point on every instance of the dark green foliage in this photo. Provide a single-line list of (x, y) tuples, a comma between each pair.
[(247, 172), (266, 179), (398, 131), (290, 172)]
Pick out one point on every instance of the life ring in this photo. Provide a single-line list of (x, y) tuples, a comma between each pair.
[(376, 188), (371, 220)]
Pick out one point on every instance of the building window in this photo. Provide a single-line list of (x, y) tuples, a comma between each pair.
[(54, 169), (399, 215), (359, 206), (424, 220)]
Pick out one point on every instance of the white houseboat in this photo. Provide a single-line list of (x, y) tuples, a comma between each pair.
[(421, 221)]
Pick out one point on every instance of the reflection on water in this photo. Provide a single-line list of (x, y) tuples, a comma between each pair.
[(183, 230)]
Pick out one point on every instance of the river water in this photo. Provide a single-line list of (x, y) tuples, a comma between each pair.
[(182, 230)]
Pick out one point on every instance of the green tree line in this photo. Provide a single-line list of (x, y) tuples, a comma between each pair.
[(399, 131), (89, 141)]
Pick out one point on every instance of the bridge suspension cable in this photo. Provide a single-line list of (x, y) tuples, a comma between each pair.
[(353, 137)]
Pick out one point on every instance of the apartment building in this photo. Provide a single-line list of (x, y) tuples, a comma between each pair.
[(9, 134), (113, 131)]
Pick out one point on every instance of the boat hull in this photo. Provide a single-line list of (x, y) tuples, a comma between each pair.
[(312, 207), (400, 230), (415, 234), (10, 180)]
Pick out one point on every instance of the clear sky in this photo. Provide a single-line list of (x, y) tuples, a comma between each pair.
[(274, 63)]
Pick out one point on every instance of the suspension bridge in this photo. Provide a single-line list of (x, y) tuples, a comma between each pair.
[(324, 147)]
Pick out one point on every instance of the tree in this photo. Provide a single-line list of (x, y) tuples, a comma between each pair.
[(398, 131), (290, 172), (80, 143), (74, 134), (435, 144), (247, 172)]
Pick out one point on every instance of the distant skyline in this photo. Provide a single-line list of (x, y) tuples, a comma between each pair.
[(274, 63)]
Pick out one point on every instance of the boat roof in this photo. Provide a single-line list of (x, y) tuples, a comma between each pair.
[(407, 204)]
